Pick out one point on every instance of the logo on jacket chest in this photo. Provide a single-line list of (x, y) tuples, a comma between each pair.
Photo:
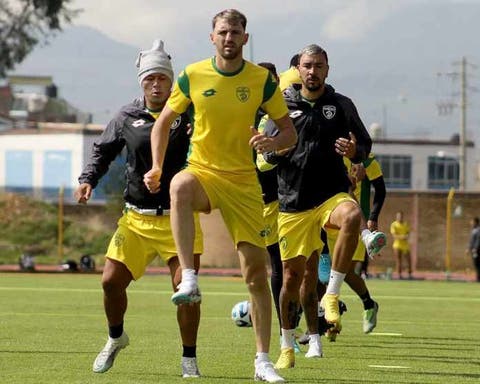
[(329, 111)]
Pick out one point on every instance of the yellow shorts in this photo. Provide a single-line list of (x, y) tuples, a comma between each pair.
[(239, 199), (299, 232), (270, 214), (140, 238), (401, 245)]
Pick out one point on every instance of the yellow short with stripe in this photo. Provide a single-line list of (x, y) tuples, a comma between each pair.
[(270, 214), (299, 232), (140, 238), (401, 245), (332, 235), (239, 199)]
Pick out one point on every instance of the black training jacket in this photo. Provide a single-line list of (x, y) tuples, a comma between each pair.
[(131, 129), (312, 171)]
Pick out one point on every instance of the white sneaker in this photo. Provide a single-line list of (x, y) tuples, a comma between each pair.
[(187, 293), (314, 349), (264, 371), (189, 367), (370, 318), (107, 355)]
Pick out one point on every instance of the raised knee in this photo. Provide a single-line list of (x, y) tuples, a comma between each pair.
[(352, 219)]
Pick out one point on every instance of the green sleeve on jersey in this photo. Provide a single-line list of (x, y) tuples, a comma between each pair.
[(184, 84), (269, 88)]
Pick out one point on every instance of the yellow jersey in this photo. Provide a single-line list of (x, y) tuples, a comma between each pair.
[(289, 77), (223, 107)]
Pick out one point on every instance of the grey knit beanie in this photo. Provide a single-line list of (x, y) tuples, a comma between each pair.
[(156, 60)]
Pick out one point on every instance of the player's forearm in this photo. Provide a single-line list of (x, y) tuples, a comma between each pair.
[(159, 141), (287, 134)]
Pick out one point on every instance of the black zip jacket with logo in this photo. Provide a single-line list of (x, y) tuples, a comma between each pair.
[(131, 129), (312, 171)]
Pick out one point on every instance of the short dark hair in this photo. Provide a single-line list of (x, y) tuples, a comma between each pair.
[(313, 49), (271, 67), (294, 60), (476, 220), (232, 16)]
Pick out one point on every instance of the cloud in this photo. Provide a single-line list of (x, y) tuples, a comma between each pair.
[(352, 20), (138, 23)]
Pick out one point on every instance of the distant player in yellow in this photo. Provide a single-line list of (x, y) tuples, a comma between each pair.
[(291, 75), (400, 231), (224, 94)]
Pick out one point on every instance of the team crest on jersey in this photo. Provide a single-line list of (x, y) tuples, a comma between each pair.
[(329, 111), (138, 123), (243, 93), (176, 123)]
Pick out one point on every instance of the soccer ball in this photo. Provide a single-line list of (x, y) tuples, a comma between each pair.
[(241, 314)]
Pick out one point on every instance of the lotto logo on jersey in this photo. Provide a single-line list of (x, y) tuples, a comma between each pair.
[(329, 111), (138, 123), (243, 93)]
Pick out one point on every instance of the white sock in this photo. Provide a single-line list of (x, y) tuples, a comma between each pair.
[(260, 357), (335, 282), (288, 336), (189, 276), (364, 235)]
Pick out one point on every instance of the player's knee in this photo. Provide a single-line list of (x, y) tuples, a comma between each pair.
[(351, 220), (292, 279)]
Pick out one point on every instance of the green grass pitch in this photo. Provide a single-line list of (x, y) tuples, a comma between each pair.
[(53, 325)]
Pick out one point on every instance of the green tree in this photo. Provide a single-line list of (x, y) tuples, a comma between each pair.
[(25, 23)]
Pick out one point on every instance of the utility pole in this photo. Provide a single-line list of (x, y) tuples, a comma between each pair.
[(446, 107), (463, 125)]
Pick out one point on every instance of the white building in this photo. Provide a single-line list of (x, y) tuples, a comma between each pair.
[(41, 160), (38, 161), (425, 165)]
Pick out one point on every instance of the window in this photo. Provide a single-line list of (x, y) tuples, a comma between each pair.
[(397, 170), (19, 171), (57, 172), (443, 172)]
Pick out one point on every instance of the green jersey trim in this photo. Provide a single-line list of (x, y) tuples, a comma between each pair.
[(228, 74)]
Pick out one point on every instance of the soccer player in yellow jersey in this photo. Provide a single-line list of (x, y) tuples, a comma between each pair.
[(400, 231), (291, 75), (224, 94)]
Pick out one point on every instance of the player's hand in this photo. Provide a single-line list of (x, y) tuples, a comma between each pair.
[(83, 193), (358, 172), (151, 179), (261, 143), (346, 147)]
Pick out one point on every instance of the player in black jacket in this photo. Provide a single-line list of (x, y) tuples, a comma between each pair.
[(314, 194), (144, 229)]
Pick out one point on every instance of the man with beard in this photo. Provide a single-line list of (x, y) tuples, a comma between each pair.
[(224, 93), (328, 128)]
